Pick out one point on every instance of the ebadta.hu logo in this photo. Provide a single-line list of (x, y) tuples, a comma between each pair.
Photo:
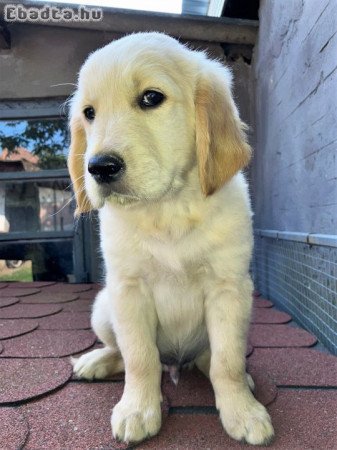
[(47, 13)]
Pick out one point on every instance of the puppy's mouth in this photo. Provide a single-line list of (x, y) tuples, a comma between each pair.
[(122, 199), (121, 195), (117, 194)]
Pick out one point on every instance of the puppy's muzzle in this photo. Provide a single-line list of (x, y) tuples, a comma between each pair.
[(106, 169)]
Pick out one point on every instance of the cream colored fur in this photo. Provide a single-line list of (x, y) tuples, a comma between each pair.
[(177, 240)]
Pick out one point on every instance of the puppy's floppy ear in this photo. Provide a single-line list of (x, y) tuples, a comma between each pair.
[(222, 148), (78, 145)]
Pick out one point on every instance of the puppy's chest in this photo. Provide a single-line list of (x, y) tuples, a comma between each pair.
[(181, 332), (175, 258), (177, 288)]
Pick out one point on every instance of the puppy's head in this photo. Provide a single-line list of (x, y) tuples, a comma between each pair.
[(146, 111)]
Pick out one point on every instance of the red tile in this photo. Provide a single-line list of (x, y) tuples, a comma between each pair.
[(280, 336), (90, 295), (305, 419), (30, 284), (295, 366), (50, 297), (78, 306), (189, 432), (268, 315), (84, 287), (48, 343), (265, 389), (194, 389), (77, 417), (7, 301), (67, 288), (22, 379), (13, 430), (17, 292), (10, 328), (20, 311), (262, 303), (66, 321)]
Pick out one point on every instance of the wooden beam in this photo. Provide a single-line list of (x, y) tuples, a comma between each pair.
[(209, 29)]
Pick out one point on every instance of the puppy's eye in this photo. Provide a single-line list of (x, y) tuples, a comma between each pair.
[(151, 99), (89, 113)]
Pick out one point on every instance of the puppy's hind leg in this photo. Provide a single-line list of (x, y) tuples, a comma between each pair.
[(102, 362), (98, 364)]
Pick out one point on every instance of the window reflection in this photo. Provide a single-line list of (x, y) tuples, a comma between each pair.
[(15, 270), (30, 207), (50, 261), (32, 145), (36, 206)]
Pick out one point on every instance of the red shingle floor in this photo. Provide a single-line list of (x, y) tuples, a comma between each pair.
[(42, 406)]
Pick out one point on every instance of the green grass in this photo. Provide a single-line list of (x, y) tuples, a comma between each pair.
[(23, 273)]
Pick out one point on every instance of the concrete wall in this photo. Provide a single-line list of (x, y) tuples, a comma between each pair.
[(42, 60), (295, 75)]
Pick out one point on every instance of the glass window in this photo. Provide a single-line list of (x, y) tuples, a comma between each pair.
[(15, 270), (36, 225), (46, 260), (36, 206), (36, 210), (32, 145)]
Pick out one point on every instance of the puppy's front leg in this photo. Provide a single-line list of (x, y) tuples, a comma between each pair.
[(227, 316), (138, 414)]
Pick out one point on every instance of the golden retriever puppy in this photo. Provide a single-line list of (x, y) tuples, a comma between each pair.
[(157, 146)]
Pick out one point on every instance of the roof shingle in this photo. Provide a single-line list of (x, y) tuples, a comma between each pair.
[(51, 409)]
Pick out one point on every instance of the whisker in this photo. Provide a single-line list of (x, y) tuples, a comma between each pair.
[(74, 181), (66, 103), (62, 84), (81, 176), (82, 189), (64, 206)]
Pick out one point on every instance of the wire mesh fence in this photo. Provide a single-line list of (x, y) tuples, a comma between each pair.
[(301, 279)]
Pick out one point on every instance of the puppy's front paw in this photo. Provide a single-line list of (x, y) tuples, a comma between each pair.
[(134, 421), (247, 420)]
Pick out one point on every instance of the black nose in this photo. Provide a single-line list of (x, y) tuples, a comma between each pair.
[(106, 168)]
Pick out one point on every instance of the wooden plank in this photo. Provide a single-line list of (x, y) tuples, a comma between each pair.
[(208, 29)]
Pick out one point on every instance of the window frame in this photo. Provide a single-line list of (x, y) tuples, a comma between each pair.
[(81, 233)]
